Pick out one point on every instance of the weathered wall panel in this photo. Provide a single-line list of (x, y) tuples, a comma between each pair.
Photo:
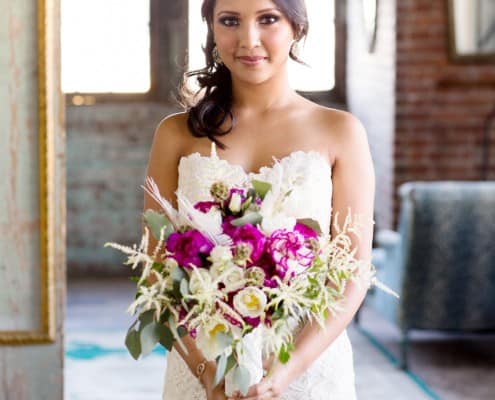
[(27, 370)]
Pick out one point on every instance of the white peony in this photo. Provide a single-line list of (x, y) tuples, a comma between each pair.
[(250, 302)]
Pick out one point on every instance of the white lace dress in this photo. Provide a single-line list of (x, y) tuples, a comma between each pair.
[(331, 376)]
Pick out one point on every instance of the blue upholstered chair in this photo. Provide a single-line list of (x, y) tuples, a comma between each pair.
[(441, 261)]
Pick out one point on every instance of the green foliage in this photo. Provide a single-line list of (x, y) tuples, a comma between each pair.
[(221, 368), (262, 188), (284, 353), (133, 343), (166, 338), (157, 221), (251, 218), (149, 337), (311, 223), (241, 379)]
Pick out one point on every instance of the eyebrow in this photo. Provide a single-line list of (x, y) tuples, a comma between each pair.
[(257, 12)]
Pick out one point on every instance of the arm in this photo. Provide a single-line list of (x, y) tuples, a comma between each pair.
[(353, 186), (162, 167)]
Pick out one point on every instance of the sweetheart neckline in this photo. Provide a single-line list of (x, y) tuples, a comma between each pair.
[(260, 170)]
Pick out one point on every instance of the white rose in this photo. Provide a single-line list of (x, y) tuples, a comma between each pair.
[(250, 302)]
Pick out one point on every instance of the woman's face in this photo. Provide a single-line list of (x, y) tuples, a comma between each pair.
[(253, 38)]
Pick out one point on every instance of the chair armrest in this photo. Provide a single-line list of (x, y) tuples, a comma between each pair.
[(387, 239)]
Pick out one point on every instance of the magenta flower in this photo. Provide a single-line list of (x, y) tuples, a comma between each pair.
[(188, 247), (248, 234), (205, 206), (290, 252), (305, 230), (254, 322)]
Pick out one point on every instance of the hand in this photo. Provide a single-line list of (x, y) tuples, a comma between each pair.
[(269, 388), (213, 392)]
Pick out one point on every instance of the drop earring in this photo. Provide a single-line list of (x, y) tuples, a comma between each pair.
[(216, 56)]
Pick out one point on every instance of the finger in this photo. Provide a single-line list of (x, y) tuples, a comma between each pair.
[(261, 393)]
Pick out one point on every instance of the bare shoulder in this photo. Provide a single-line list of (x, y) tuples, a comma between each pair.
[(170, 134), (342, 131)]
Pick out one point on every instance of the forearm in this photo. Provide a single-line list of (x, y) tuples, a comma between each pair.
[(313, 340)]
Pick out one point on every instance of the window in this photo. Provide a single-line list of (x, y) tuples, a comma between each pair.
[(105, 46), (120, 50)]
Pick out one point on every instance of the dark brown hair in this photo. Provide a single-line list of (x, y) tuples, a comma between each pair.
[(213, 109)]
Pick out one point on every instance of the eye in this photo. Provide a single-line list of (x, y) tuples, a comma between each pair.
[(229, 21), (269, 19)]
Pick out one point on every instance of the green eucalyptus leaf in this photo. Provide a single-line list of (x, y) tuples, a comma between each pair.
[(241, 379), (252, 218), (157, 221), (165, 336), (221, 366), (164, 316), (261, 187), (149, 337), (311, 223), (146, 318), (231, 363), (133, 343), (184, 287), (178, 274)]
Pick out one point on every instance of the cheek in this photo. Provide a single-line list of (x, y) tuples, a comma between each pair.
[(278, 42), (225, 41)]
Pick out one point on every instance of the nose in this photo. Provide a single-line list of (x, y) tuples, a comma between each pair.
[(249, 36)]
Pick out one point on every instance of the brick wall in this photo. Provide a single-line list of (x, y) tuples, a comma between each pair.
[(107, 152), (371, 97), (441, 106)]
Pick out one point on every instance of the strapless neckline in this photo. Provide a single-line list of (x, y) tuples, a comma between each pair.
[(262, 169)]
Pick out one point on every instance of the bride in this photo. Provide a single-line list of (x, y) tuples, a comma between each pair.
[(247, 107)]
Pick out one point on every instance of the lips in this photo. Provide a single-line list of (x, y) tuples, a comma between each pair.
[(251, 61)]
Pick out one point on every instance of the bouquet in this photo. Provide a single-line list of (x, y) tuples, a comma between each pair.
[(236, 278)]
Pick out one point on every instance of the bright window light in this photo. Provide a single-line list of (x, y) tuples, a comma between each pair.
[(105, 46), (318, 51)]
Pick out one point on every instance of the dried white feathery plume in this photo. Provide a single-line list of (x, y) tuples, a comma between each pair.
[(209, 224), (170, 212)]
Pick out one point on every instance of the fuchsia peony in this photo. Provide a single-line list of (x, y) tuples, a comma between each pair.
[(187, 248), (248, 234), (290, 252)]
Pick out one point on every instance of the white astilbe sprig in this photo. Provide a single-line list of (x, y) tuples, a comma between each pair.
[(170, 212), (137, 255), (290, 297), (276, 336), (209, 224)]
